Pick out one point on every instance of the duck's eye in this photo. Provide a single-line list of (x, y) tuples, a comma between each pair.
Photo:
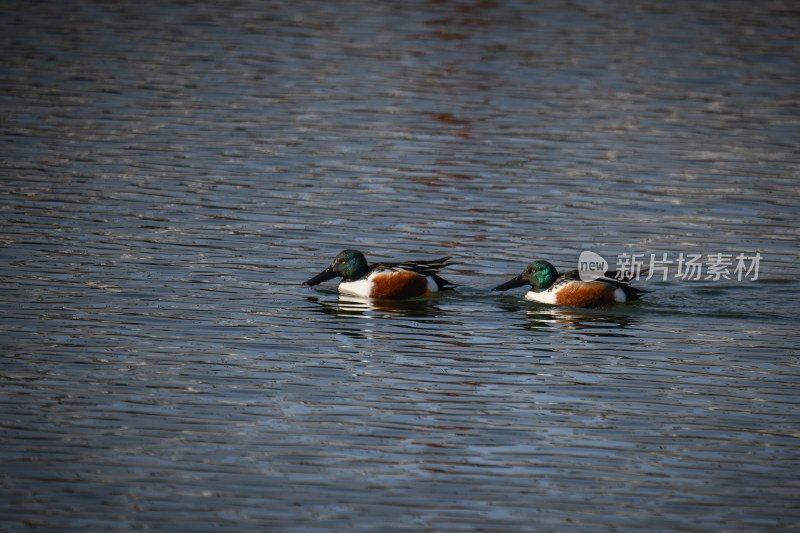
[(343, 261)]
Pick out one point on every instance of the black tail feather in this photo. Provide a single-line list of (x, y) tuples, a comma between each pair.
[(443, 283)]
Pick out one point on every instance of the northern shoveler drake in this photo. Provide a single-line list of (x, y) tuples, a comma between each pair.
[(390, 281), (569, 290)]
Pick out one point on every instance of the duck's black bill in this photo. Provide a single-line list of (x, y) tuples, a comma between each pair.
[(325, 275), (519, 281)]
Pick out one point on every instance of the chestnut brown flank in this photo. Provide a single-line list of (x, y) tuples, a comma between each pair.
[(398, 285), (586, 294)]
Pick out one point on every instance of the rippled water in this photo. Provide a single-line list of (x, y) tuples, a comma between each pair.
[(172, 172)]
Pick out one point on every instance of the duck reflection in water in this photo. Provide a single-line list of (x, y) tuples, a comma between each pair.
[(537, 317), (597, 324), (346, 305)]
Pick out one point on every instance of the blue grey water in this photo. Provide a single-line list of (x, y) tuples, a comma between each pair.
[(173, 171)]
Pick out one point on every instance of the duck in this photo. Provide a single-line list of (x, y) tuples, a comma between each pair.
[(569, 290), (386, 281)]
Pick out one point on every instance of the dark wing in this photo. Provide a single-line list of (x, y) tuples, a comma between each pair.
[(570, 275), (427, 267), (618, 279)]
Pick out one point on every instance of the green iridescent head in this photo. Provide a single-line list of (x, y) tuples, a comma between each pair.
[(348, 264), (540, 275)]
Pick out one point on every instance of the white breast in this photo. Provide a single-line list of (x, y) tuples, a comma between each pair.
[(361, 287), (545, 297)]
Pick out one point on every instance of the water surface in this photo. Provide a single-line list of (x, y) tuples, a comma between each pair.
[(172, 172)]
